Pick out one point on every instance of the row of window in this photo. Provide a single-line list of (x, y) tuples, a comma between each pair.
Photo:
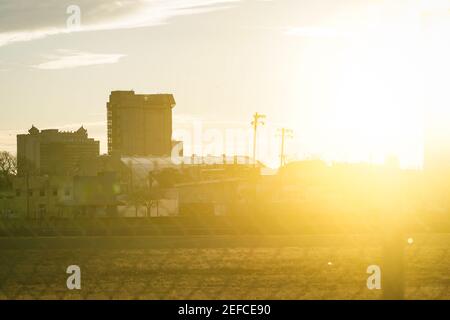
[(43, 192)]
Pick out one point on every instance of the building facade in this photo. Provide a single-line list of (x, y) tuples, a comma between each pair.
[(44, 197), (52, 152), (140, 124)]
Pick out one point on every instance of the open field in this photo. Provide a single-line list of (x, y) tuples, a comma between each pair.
[(216, 267)]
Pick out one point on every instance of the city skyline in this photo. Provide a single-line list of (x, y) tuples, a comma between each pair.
[(197, 50), (204, 150)]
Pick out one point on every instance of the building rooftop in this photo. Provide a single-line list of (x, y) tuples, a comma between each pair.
[(151, 99), (47, 132)]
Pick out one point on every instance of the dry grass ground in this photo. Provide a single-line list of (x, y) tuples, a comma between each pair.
[(213, 267)]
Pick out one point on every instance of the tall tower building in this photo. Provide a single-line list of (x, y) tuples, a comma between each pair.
[(140, 124)]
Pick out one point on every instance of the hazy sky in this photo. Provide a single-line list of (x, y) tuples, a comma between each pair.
[(348, 76)]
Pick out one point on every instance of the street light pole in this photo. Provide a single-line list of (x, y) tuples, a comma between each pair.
[(257, 120)]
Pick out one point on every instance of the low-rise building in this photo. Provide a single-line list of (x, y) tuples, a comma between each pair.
[(43, 197)]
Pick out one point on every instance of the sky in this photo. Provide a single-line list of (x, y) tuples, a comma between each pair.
[(356, 80)]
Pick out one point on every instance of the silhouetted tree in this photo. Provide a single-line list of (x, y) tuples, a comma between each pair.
[(8, 168)]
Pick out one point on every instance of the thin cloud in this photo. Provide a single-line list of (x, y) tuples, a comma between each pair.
[(49, 19), (318, 32), (22, 36), (74, 59)]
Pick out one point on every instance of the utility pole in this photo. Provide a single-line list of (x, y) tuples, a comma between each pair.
[(284, 133), (27, 192), (257, 120)]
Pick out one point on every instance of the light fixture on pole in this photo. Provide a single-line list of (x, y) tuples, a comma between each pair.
[(257, 120)]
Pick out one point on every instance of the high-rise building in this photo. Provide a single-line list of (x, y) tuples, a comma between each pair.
[(140, 124), (52, 152)]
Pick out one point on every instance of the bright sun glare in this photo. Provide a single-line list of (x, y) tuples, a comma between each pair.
[(380, 96)]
